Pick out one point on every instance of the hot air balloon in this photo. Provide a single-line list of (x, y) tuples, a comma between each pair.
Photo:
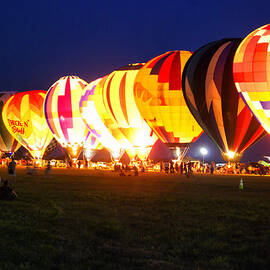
[(159, 98), (24, 118), (123, 118), (8, 144), (212, 98), (63, 115), (93, 121), (251, 71)]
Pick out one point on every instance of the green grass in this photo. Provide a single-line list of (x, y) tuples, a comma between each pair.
[(80, 219)]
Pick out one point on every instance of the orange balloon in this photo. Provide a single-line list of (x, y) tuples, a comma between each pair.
[(159, 97)]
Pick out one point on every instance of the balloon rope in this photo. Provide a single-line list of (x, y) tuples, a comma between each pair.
[(183, 153)]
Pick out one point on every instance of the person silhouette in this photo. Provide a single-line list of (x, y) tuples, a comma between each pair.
[(6, 192), (12, 170)]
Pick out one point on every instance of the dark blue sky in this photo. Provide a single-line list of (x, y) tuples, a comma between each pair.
[(44, 40)]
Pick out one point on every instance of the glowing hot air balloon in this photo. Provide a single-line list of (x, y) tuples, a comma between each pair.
[(93, 120), (63, 115), (212, 98), (8, 144), (118, 97), (251, 70), (24, 118), (159, 97)]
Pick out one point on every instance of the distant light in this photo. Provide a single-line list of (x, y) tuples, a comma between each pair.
[(230, 154), (116, 153), (89, 153), (204, 151)]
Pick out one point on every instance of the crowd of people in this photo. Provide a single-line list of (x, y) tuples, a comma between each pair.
[(187, 168), (184, 168), (125, 169), (243, 168)]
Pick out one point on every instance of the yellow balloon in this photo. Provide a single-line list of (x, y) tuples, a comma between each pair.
[(8, 144), (115, 96), (24, 118), (92, 119)]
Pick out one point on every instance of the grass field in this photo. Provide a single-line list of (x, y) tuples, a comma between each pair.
[(80, 219)]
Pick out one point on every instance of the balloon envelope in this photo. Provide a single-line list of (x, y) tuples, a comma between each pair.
[(122, 106), (119, 100), (8, 143), (106, 116), (159, 98), (115, 104), (93, 119), (63, 115), (24, 118), (251, 70), (212, 98)]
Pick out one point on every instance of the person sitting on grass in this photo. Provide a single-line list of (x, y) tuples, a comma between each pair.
[(6, 192)]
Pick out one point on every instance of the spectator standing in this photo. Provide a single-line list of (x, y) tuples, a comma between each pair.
[(190, 168), (12, 170), (48, 169), (171, 167), (161, 167), (176, 167), (181, 168), (136, 171), (166, 167)]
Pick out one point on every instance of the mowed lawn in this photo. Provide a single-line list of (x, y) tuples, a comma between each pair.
[(85, 219)]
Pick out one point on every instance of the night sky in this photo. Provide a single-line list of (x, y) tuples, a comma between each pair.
[(42, 41)]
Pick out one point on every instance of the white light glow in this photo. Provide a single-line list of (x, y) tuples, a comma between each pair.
[(204, 151), (230, 154)]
